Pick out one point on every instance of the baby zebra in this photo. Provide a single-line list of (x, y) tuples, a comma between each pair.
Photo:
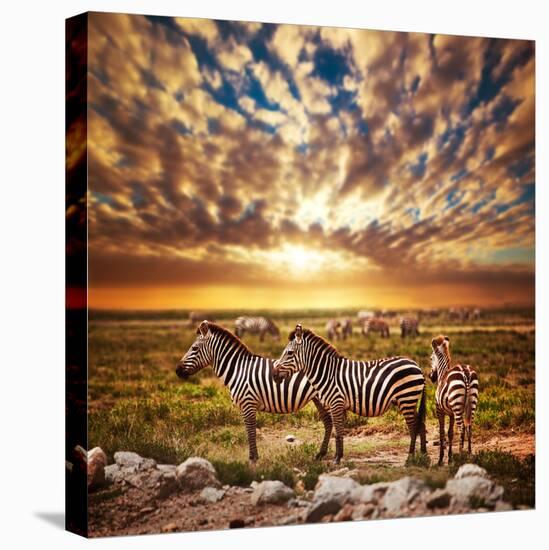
[(367, 388), (332, 329), (375, 324), (456, 394), (256, 325), (250, 380), (409, 326)]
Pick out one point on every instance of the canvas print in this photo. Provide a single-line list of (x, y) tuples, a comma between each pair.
[(300, 274)]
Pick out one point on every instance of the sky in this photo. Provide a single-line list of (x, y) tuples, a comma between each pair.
[(248, 165)]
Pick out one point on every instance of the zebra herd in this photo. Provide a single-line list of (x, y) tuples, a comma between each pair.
[(312, 369)]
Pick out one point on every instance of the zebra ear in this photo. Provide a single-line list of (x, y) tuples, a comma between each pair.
[(298, 333), (203, 328)]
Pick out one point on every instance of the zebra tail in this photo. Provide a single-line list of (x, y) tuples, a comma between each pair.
[(468, 407)]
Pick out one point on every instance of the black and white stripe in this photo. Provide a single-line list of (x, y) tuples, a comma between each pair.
[(367, 388), (456, 395), (409, 326), (256, 325), (250, 380)]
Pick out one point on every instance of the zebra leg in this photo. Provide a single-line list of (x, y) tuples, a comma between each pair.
[(249, 416), (338, 419), (450, 438), (441, 437), (328, 425), (409, 414), (469, 429)]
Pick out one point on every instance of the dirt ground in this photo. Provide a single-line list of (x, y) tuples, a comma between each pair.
[(118, 511)]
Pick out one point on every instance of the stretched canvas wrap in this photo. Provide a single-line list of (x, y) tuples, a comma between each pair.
[(300, 274)]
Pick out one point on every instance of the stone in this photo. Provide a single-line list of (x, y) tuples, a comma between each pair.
[(196, 473), (130, 460), (474, 491), (96, 461), (372, 493), (211, 495), (345, 514), (271, 492), (363, 511), (113, 473), (439, 498), (338, 489), (470, 470), (169, 527), (320, 508), (290, 438), (297, 503), (401, 493)]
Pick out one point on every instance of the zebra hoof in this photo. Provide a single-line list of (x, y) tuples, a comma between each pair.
[(320, 455)]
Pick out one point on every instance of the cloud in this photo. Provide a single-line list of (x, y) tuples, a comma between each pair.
[(216, 151)]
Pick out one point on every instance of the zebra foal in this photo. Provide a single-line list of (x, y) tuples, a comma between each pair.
[(250, 380), (456, 395), (367, 388)]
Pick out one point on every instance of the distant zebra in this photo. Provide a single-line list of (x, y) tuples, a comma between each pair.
[(250, 380), (197, 316), (375, 324), (363, 315), (346, 328), (367, 388), (256, 325), (333, 329), (456, 395), (409, 326)]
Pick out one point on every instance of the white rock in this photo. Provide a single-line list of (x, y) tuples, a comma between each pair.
[(470, 470), (97, 460), (196, 473), (372, 493), (290, 438), (210, 495), (401, 493), (479, 489), (271, 492), (338, 489), (128, 459)]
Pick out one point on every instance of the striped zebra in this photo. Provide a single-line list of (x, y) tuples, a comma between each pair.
[(333, 327), (456, 395), (367, 388), (198, 316), (250, 380), (346, 328), (409, 326), (375, 324), (256, 325)]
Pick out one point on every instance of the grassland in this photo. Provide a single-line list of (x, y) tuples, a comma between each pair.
[(137, 403)]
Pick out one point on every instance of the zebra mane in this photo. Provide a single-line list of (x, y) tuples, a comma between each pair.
[(316, 337), (218, 329)]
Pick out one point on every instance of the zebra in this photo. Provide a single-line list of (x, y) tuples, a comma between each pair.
[(367, 388), (250, 381), (375, 324), (333, 329), (409, 326), (197, 316), (256, 325), (346, 328), (362, 315), (456, 395)]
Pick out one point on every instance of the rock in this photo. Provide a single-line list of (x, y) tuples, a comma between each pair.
[(130, 460), (297, 503), (271, 492), (321, 508), (401, 493), (97, 460), (211, 495), (289, 520), (113, 473), (196, 473), (474, 492), (470, 470), (439, 498), (167, 468), (362, 511), (372, 493), (342, 472), (338, 489), (345, 514), (290, 438), (236, 523), (169, 527)]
